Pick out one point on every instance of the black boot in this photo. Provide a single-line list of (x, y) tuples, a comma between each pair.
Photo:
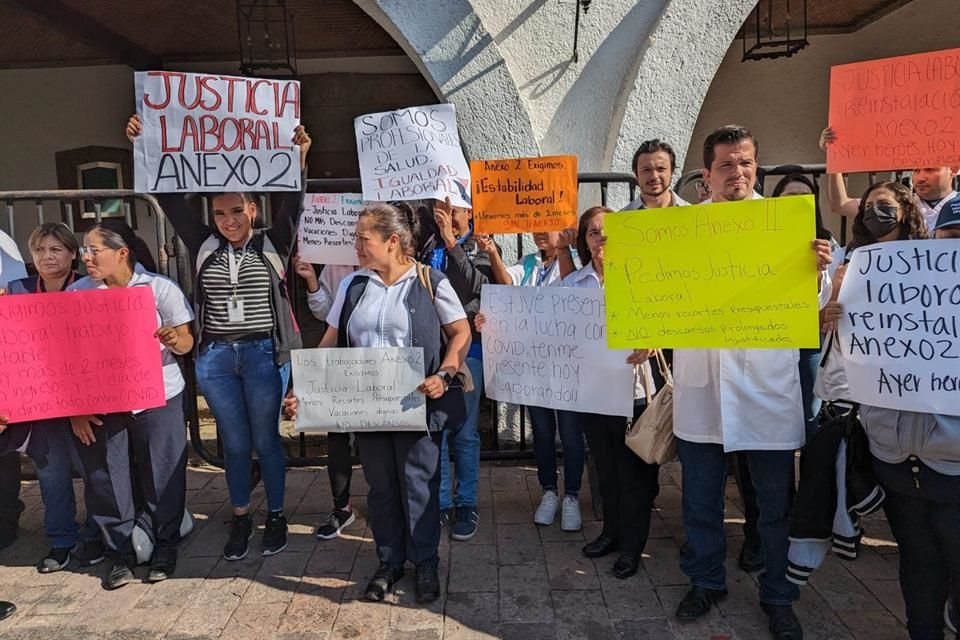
[(382, 582)]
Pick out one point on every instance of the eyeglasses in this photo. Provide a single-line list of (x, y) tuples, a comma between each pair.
[(93, 251)]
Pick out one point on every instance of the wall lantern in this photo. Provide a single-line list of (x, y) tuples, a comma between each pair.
[(578, 5), (267, 41), (775, 29)]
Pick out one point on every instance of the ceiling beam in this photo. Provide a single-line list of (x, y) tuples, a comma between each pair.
[(76, 24)]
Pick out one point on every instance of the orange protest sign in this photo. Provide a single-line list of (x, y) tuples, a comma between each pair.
[(896, 113), (524, 194)]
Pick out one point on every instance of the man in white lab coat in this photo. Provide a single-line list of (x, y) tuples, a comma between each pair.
[(744, 400)]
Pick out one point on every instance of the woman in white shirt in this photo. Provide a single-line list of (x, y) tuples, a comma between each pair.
[(156, 437), (402, 467)]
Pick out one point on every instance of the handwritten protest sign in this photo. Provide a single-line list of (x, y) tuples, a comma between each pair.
[(896, 113), (327, 227), (412, 154), (359, 389), (525, 194), (900, 329), (77, 353), (216, 133), (546, 347), (729, 274)]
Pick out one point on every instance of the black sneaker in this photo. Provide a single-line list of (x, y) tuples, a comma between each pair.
[(7, 609), (121, 574), (751, 556), (466, 523), (162, 564), (241, 531), (784, 624), (698, 602), (274, 534), (56, 560), (337, 521), (446, 516), (89, 553), (382, 582), (428, 582)]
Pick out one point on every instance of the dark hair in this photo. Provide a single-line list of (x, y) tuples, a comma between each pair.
[(117, 235), (59, 232), (912, 224), (396, 218), (822, 232), (730, 134), (583, 249), (246, 196), (653, 146)]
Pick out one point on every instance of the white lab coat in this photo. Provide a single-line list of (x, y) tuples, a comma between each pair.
[(11, 264), (743, 399)]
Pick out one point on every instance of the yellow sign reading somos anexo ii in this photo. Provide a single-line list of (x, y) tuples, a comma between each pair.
[(723, 275)]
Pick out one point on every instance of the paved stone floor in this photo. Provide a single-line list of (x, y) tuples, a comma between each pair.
[(513, 580)]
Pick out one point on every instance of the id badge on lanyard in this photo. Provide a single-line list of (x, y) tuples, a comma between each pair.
[(235, 303), (545, 273)]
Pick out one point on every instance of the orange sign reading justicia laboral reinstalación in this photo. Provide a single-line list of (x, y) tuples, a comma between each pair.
[(524, 194), (896, 113)]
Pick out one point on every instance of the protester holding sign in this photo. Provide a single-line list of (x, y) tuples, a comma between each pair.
[(403, 467), (11, 268), (156, 437), (246, 330), (737, 400)]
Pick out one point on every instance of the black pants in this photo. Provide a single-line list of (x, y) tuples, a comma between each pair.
[(923, 508), (339, 468), (628, 485), (10, 504), (158, 440), (403, 471)]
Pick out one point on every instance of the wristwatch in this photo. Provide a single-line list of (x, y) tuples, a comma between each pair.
[(446, 377)]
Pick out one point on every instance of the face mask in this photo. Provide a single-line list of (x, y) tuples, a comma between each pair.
[(880, 220)]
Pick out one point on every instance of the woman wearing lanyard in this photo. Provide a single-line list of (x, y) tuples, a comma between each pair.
[(54, 249), (553, 261), (157, 438), (402, 467), (246, 333), (628, 485)]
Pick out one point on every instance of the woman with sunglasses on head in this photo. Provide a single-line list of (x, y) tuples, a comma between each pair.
[(157, 438), (246, 332)]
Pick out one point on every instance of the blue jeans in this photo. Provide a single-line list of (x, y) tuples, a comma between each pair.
[(809, 365), (545, 423), (54, 458), (242, 384), (466, 448), (704, 468)]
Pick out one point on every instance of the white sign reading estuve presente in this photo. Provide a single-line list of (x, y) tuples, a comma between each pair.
[(359, 389), (209, 132), (412, 154), (547, 347), (328, 227), (900, 329)]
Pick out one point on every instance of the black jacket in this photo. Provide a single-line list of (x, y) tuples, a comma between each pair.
[(468, 269)]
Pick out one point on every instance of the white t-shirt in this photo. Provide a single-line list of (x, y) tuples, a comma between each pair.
[(536, 277), (380, 318), (173, 310), (11, 264)]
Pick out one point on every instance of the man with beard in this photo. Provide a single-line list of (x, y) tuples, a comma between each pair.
[(654, 164)]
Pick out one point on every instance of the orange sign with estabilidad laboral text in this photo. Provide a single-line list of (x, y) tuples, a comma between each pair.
[(896, 113), (524, 194)]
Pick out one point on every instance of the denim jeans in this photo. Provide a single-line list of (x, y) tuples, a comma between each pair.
[(55, 459), (466, 448), (704, 468), (923, 509), (809, 365), (544, 425), (242, 384)]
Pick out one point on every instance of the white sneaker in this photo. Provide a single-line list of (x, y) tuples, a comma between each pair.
[(547, 510), (570, 519)]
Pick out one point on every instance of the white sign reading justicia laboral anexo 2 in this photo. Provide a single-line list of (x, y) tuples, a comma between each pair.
[(412, 154), (359, 389), (209, 132), (547, 347), (900, 329)]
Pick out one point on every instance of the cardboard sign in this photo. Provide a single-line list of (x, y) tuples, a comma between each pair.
[(359, 389), (726, 275), (900, 329), (896, 113), (79, 352), (216, 133), (546, 347), (412, 154), (524, 194), (328, 228)]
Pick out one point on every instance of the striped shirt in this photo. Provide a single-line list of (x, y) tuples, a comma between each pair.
[(252, 289)]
